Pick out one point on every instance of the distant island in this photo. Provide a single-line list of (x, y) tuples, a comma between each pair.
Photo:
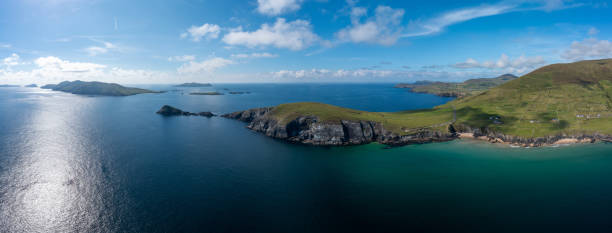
[(96, 88), (7, 85), (555, 104), (194, 85), (31, 85), (239, 92), (168, 110), (468, 88), (206, 93)]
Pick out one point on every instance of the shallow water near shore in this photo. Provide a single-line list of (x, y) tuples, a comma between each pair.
[(109, 164)]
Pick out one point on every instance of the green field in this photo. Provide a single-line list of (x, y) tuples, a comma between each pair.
[(557, 99), (404, 122)]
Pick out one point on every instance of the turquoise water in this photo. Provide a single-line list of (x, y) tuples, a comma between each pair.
[(109, 164)]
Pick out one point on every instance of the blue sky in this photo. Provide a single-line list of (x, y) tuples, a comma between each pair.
[(154, 41)]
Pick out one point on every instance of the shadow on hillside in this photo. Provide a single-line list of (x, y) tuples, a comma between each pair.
[(556, 124), (475, 117)]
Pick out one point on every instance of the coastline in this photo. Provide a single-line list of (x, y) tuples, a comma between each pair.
[(309, 130)]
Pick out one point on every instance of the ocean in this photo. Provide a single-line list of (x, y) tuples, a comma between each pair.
[(72, 163)]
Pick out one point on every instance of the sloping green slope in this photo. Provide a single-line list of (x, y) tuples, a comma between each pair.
[(569, 98)]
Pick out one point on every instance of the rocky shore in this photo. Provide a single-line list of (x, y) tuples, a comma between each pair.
[(311, 131), (168, 110), (497, 137)]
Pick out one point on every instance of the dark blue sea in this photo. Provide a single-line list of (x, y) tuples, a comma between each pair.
[(72, 163)]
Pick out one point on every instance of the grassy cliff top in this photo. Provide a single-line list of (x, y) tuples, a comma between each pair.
[(399, 122), (572, 98)]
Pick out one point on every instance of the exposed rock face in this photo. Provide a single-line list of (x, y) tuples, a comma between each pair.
[(497, 137), (309, 130), (167, 110)]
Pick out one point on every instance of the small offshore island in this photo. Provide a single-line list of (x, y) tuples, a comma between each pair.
[(206, 93), (194, 85), (555, 104), (96, 88), (168, 110)]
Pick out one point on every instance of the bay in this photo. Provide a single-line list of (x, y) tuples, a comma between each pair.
[(72, 163)]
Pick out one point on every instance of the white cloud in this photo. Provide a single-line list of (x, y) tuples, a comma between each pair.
[(588, 48), (12, 60), (439, 23), (208, 31), (96, 50), (183, 58), (277, 7), (517, 65), (294, 35), (383, 28), (206, 66), (53, 70), (370, 75), (254, 55), (55, 64), (5, 46), (593, 31)]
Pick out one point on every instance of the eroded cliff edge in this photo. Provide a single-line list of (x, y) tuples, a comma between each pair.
[(310, 130)]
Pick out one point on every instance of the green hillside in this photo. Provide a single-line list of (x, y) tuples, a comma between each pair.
[(569, 98), (468, 88), (557, 99)]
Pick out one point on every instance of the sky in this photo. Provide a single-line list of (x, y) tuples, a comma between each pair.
[(253, 41)]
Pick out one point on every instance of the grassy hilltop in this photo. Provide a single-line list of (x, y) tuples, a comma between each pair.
[(569, 98), (572, 98)]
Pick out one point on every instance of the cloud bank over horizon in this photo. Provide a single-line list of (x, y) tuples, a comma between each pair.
[(298, 41)]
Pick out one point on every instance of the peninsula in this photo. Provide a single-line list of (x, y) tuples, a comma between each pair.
[(96, 88), (468, 88), (559, 103)]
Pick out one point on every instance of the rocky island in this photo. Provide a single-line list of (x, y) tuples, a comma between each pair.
[(168, 110), (31, 85), (467, 88), (194, 85), (96, 88), (206, 93), (555, 104)]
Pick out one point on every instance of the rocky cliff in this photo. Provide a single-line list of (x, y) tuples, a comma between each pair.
[(310, 130)]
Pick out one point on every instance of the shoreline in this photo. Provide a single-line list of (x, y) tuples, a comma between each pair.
[(309, 130), (559, 142)]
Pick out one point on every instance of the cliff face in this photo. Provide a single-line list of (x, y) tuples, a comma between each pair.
[(310, 130)]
